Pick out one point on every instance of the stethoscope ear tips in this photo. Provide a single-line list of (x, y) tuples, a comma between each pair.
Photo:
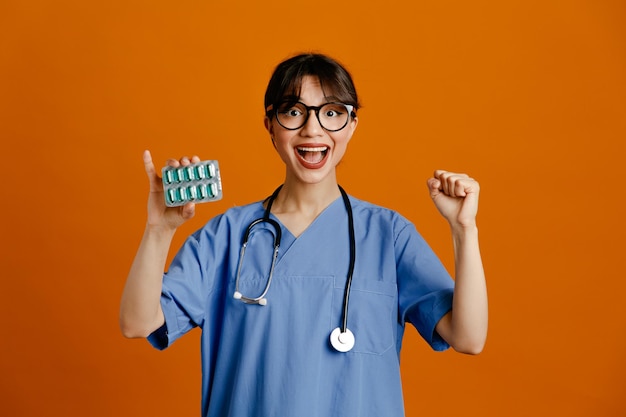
[(263, 301), (237, 295), (342, 341)]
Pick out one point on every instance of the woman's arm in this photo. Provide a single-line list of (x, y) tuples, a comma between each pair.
[(140, 308), (456, 198)]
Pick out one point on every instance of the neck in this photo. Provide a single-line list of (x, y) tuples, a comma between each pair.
[(307, 199)]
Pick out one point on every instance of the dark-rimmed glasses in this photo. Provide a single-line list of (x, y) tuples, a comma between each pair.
[(293, 115)]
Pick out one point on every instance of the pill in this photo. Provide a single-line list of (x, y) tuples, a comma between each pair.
[(201, 171), (171, 196), (212, 189), (183, 194), (190, 172), (168, 177), (202, 191), (191, 192)]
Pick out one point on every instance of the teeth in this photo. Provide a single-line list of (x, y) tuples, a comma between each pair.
[(312, 154), (316, 149)]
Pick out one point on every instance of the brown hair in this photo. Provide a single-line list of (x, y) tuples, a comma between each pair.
[(286, 81)]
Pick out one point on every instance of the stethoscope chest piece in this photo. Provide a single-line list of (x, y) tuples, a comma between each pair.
[(342, 341)]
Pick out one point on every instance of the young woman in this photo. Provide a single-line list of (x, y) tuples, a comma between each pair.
[(308, 319)]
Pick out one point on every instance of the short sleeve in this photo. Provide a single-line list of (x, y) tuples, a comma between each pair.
[(158, 338), (186, 286), (425, 288)]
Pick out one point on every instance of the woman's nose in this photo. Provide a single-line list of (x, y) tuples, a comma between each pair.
[(312, 127)]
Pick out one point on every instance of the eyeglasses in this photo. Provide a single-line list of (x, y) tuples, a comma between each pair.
[(293, 115)]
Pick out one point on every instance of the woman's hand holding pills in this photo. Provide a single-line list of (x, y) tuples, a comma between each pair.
[(159, 215)]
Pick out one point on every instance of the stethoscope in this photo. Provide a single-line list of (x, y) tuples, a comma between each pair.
[(342, 339)]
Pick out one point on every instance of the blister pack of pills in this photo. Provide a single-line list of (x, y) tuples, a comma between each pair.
[(194, 183)]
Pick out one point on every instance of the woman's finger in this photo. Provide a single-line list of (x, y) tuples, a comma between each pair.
[(452, 184), (153, 177), (188, 211), (434, 187), (459, 187), (147, 163)]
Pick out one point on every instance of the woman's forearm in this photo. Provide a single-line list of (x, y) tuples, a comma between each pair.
[(465, 327), (140, 309)]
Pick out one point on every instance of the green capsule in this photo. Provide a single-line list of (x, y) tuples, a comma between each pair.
[(172, 197), (190, 173), (201, 171), (192, 193), (167, 177), (212, 188), (183, 194), (202, 191), (210, 170)]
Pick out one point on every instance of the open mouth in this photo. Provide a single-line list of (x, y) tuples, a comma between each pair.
[(312, 155)]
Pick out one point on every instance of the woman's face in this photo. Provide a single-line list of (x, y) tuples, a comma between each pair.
[(311, 153)]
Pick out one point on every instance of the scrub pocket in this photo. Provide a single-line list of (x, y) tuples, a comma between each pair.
[(296, 316), (372, 314)]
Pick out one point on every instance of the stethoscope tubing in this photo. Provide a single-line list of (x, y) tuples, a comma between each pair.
[(346, 294), (242, 252), (342, 338)]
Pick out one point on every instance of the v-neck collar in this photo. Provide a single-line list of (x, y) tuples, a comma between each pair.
[(288, 232)]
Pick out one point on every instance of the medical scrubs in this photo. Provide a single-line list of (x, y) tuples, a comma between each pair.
[(276, 360)]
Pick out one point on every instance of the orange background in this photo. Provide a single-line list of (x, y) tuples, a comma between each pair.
[(526, 96)]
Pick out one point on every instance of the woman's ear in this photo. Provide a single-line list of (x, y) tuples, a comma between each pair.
[(270, 129), (268, 126), (353, 124)]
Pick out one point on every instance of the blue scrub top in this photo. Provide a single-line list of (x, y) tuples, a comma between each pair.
[(276, 360)]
